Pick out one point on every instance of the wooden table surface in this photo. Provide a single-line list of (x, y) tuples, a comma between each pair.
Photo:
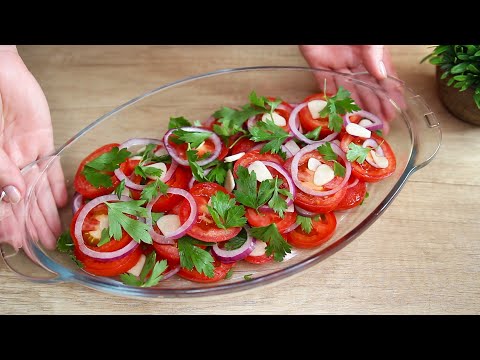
[(422, 255)]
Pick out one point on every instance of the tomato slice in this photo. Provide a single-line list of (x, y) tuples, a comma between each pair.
[(322, 230), (102, 267), (365, 171), (82, 185), (205, 228), (243, 145), (220, 272), (317, 204), (261, 259), (167, 252), (255, 155), (269, 217), (354, 195), (207, 147), (308, 122)]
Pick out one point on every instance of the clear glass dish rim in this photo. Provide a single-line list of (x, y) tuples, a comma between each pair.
[(115, 287)]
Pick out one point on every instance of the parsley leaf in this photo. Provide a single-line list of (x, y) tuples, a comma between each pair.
[(76, 261), (327, 152), (150, 191), (146, 171), (192, 256), (229, 274), (305, 223), (225, 212), (237, 241), (156, 216), (219, 172), (104, 238), (338, 169), (194, 138), (156, 267), (268, 131), (379, 132), (314, 134), (278, 203), (197, 171), (119, 189), (118, 220), (246, 192), (357, 153), (65, 242), (148, 155), (231, 120), (337, 105), (95, 170), (178, 122), (276, 243), (248, 277)]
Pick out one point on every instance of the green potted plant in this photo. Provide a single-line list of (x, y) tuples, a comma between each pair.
[(458, 78)]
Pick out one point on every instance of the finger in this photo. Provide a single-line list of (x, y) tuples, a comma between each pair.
[(57, 183), (11, 231), (372, 57), (47, 205), (36, 219), (11, 180)]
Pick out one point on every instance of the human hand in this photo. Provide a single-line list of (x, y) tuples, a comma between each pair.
[(25, 136), (375, 59)]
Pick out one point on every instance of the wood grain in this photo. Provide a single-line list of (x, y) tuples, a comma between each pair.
[(422, 256)]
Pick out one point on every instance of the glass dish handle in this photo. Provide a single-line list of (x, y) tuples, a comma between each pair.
[(426, 127)]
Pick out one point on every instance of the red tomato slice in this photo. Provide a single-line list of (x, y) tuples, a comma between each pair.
[(243, 145), (365, 171), (322, 230), (81, 184), (255, 155), (109, 267), (354, 195), (261, 259), (269, 217), (308, 122), (220, 272), (168, 252), (207, 147), (205, 228)]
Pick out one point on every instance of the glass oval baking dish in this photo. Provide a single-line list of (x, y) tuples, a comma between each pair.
[(415, 137)]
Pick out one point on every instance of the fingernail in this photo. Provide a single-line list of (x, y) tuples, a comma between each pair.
[(382, 68), (12, 195)]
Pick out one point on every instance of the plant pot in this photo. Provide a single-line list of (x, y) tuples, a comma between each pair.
[(459, 103)]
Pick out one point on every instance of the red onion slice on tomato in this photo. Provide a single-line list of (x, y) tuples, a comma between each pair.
[(377, 122), (291, 228), (230, 256), (77, 202), (182, 230), (173, 153), (106, 255), (293, 124), (172, 272), (306, 213), (355, 182), (313, 147)]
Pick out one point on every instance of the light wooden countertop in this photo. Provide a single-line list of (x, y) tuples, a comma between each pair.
[(421, 256)]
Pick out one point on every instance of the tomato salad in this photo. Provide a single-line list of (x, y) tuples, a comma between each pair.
[(248, 184)]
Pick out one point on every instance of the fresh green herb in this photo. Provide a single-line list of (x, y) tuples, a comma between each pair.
[(229, 274), (156, 216), (225, 212), (338, 105), (146, 171), (197, 123), (156, 267), (148, 155), (357, 153), (262, 102), (96, 171), (65, 242), (338, 169), (276, 244), (246, 192), (305, 223), (178, 122), (193, 138), (379, 132), (219, 172), (150, 191), (197, 170), (278, 203), (237, 241), (314, 134), (248, 277), (327, 152), (268, 131), (104, 238), (459, 63), (118, 220), (120, 188), (76, 261), (192, 256)]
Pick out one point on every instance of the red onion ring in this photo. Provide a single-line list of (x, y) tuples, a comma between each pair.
[(77, 201), (192, 180), (293, 124), (209, 121), (286, 175), (172, 272), (182, 230), (291, 228), (172, 152), (284, 148), (231, 256), (142, 141), (306, 213), (355, 182), (377, 122), (313, 147), (107, 255), (378, 149)]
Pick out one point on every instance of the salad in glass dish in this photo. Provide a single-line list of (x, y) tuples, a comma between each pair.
[(248, 184)]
